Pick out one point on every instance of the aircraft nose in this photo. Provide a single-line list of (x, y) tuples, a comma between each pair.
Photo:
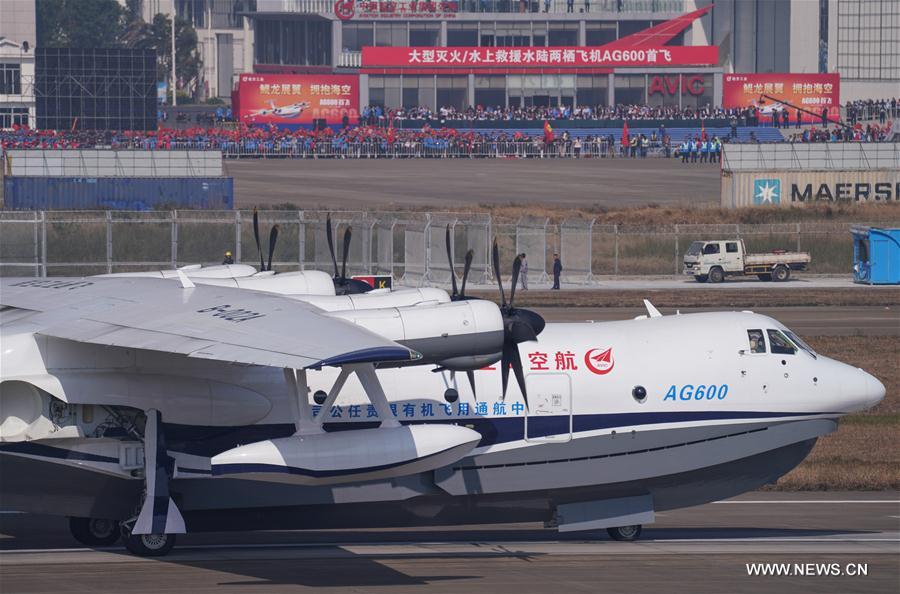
[(865, 391), (874, 389)]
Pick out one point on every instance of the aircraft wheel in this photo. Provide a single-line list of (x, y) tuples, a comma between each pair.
[(700, 278), (781, 274), (94, 532), (764, 277), (625, 533), (716, 275), (149, 545)]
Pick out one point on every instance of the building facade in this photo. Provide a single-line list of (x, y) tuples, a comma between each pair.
[(17, 41), (751, 36)]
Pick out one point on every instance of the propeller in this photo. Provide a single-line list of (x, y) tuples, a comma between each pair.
[(519, 325), (458, 295), (262, 263), (273, 239), (342, 284)]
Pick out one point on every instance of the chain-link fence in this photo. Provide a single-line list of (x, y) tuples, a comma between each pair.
[(408, 245)]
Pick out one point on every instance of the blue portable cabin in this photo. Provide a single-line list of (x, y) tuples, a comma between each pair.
[(876, 255)]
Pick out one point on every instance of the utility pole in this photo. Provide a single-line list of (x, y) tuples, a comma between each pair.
[(174, 96)]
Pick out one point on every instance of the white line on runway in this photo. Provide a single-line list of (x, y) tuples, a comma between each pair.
[(838, 501)]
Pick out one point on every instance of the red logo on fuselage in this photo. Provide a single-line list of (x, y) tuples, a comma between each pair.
[(344, 9), (600, 361)]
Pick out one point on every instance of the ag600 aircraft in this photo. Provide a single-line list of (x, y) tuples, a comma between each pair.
[(142, 407)]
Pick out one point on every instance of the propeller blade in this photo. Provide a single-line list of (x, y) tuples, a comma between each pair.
[(495, 256), (273, 237), (471, 375), (517, 267), (328, 236), (469, 255), (262, 263), (533, 319), (504, 365), (450, 261), (520, 375), (348, 233)]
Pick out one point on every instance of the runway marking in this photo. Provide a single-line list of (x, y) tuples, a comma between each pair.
[(817, 501)]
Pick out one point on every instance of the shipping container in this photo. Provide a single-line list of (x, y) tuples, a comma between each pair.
[(105, 193), (113, 163), (796, 188)]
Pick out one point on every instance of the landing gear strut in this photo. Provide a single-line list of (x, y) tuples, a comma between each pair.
[(94, 532), (625, 533)]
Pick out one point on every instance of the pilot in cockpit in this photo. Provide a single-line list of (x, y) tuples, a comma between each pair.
[(757, 342)]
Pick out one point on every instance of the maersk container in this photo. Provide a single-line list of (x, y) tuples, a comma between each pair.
[(105, 193)]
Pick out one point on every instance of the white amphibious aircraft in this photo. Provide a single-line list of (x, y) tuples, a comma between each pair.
[(145, 407)]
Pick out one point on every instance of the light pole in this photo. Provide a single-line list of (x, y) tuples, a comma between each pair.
[(174, 96)]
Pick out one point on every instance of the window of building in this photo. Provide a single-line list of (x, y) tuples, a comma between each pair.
[(462, 34), (513, 34), (11, 116), (424, 34), (490, 91), (356, 36), (452, 91), (391, 34), (600, 33), (630, 89), (563, 34), (868, 39), (10, 79), (629, 27), (539, 34), (593, 89), (418, 91), (299, 42)]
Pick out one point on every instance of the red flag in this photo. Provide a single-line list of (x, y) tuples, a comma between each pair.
[(390, 135), (625, 134), (702, 131), (548, 132)]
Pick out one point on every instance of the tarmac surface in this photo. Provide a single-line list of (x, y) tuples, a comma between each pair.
[(368, 183), (701, 549), (807, 321)]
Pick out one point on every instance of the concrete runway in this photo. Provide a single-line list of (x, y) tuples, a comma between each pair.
[(807, 321), (702, 549), (448, 183)]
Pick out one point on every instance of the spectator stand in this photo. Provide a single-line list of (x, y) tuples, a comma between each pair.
[(531, 239), (575, 250)]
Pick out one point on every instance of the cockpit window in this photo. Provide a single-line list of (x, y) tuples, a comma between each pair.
[(799, 342), (757, 342), (695, 248), (781, 344)]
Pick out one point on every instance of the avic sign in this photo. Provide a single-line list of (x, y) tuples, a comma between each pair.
[(671, 85)]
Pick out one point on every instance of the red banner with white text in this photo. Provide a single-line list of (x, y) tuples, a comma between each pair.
[(537, 57), (297, 98), (812, 92)]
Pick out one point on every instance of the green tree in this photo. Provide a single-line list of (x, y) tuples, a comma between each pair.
[(158, 37), (79, 23)]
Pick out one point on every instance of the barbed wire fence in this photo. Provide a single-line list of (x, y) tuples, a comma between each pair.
[(409, 246)]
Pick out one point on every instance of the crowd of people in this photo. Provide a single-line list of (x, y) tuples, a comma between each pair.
[(376, 115), (872, 109), (854, 133)]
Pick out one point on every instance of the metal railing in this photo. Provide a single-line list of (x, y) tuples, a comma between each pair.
[(406, 245)]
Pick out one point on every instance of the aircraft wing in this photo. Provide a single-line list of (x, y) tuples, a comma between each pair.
[(202, 321)]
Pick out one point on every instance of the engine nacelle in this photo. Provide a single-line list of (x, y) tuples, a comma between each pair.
[(378, 300), (439, 332)]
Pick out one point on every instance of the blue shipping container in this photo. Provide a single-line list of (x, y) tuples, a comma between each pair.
[(107, 193), (876, 256)]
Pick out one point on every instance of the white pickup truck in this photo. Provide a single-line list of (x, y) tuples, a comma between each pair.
[(713, 260)]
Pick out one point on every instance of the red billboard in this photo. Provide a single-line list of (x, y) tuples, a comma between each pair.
[(537, 57), (812, 92), (297, 98)]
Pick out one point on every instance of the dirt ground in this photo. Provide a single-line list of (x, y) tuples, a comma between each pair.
[(442, 184)]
